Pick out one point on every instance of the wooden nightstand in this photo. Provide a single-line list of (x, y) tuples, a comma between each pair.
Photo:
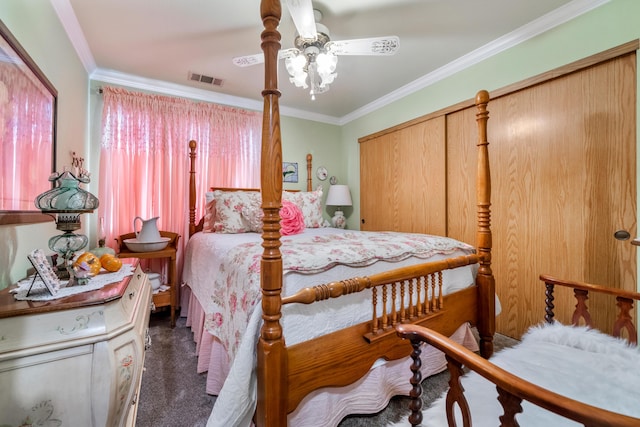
[(169, 297)]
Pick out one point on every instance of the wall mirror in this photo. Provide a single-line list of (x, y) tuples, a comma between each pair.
[(27, 132)]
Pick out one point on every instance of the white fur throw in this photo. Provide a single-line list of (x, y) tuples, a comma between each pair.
[(580, 363)]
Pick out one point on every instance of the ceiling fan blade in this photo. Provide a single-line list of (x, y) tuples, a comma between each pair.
[(258, 58), (302, 14), (388, 45), (248, 60)]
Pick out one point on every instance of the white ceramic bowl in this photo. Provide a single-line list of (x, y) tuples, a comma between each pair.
[(135, 245)]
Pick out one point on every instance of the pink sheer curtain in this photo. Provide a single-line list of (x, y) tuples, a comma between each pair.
[(144, 161), (26, 132)]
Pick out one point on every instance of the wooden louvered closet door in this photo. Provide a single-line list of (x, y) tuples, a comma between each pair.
[(563, 156), (563, 166), (402, 179)]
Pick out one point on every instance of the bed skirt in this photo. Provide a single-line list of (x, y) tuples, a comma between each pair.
[(328, 406)]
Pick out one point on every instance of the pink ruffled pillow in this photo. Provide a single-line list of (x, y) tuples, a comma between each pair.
[(291, 219), (209, 216)]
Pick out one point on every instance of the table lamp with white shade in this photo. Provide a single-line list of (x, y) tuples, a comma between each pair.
[(339, 196)]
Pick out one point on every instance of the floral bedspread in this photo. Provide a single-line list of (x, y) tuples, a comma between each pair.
[(237, 286)]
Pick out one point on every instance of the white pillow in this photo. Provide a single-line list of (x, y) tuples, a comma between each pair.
[(310, 203), (233, 210)]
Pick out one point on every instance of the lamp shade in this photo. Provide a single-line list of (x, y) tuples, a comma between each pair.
[(339, 195), (66, 196)]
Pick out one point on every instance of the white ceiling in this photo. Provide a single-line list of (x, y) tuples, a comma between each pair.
[(146, 43)]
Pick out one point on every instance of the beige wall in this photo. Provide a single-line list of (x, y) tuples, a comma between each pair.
[(300, 137), (36, 26)]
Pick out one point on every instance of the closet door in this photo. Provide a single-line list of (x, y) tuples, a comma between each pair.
[(402, 179), (563, 166)]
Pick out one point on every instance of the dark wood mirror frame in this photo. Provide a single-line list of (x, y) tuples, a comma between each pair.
[(30, 216)]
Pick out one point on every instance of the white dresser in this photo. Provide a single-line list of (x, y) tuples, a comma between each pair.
[(75, 361)]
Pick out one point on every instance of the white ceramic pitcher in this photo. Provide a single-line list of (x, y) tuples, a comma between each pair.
[(149, 232)]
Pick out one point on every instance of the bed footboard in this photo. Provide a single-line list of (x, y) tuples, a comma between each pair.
[(406, 295), (412, 294)]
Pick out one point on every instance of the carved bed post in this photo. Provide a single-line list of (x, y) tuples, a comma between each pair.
[(486, 282), (192, 187), (309, 175), (272, 357)]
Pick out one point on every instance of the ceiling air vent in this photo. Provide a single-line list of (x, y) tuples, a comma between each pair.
[(205, 79)]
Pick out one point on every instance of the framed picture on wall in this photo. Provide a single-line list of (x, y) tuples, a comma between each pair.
[(289, 172)]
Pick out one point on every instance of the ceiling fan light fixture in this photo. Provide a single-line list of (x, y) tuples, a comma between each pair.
[(316, 82), (297, 68), (327, 63), (313, 60), (315, 55)]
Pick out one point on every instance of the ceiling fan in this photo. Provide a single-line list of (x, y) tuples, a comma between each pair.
[(315, 55)]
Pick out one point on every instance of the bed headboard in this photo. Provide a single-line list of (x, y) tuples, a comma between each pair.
[(194, 226)]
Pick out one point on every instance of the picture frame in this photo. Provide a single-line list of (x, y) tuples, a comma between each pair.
[(289, 172), (45, 271), (33, 152)]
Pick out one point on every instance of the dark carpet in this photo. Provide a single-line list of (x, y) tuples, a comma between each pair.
[(173, 394)]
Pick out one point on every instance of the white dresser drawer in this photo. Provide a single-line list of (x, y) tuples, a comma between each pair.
[(131, 297), (75, 363), (88, 324)]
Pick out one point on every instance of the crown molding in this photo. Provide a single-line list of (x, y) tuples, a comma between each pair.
[(159, 86), (69, 21), (546, 22), (551, 20)]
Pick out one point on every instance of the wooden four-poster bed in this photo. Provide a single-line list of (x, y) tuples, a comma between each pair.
[(287, 372)]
